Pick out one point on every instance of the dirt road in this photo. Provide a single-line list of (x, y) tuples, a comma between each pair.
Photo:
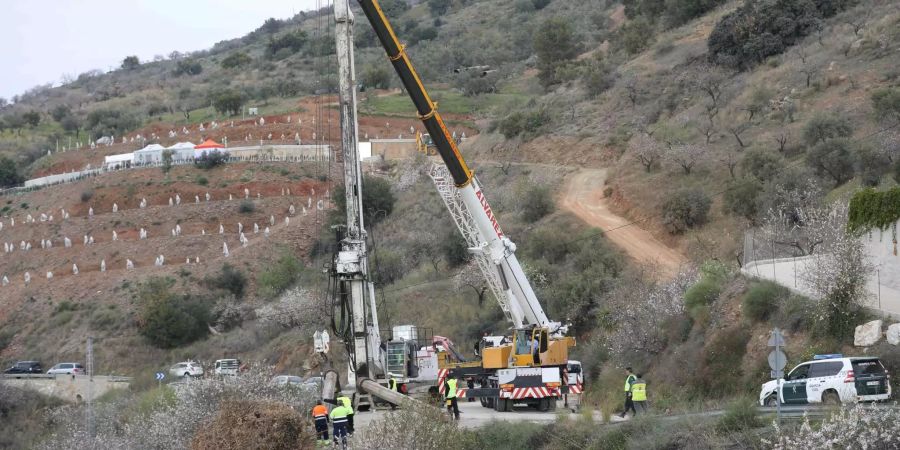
[(583, 196)]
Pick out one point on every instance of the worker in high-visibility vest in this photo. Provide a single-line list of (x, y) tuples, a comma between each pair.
[(629, 380), (345, 401), (639, 394), (450, 396), (392, 385), (320, 416), (339, 422)]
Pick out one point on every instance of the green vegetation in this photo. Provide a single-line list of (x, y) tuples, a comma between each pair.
[(537, 203), (210, 160), (169, 320), (228, 279), (228, 102), (763, 299), (527, 123), (9, 173), (741, 415), (246, 207), (555, 44), (378, 200), (279, 276), (235, 60), (685, 209), (870, 209)]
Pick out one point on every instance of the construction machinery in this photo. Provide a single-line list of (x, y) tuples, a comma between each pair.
[(530, 366)]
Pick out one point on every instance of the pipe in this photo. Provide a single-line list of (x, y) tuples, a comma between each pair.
[(372, 387), (329, 385)]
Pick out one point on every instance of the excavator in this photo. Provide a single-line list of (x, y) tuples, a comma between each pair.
[(531, 365)]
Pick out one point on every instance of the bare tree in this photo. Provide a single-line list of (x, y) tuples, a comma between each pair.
[(807, 68), (470, 276), (632, 91), (709, 80), (807, 230), (858, 22), (686, 155), (782, 139), (647, 150), (736, 129), (730, 160)]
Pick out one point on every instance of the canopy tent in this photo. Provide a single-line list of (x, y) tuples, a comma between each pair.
[(182, 151), (208, 146), (149, 154), (118, 161)]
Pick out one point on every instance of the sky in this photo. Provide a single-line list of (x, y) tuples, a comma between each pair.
[(41, 41)]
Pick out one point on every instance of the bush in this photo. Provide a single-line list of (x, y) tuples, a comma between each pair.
[(635, 36), (740, 416), (832, 159), (871, 165), (167, 320), (246, 207), (763, 28), (537, 203), (238, 59), (702, 293), (887, 103), (87, 195), (9, 173), (554, 43), (228, 279), (280, 276), (209, 160), (685, 209), (763, 299), (721, 367), (228, 102), (202, 181), (188, 66), (598, 79), (823, 127), (742, 198), (290, 42), (109, 122), (376, 77), (378, 200), (761, 164), (528, 123), (456, 251)]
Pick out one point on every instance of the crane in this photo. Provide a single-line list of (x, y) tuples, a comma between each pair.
[(510, 372)]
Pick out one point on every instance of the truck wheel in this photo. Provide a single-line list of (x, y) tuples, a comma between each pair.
[(831, 398), (544, 404)]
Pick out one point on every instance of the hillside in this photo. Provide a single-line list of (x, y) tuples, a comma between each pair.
[(626, 147)]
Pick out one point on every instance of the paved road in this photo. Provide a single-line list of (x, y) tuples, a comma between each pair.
[(583, 196), (473, 415)]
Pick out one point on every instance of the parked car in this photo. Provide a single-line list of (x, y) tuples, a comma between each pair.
[(25, 367), (830, 379), (186, 369), (67, 369), (227, 367), (283, 380)]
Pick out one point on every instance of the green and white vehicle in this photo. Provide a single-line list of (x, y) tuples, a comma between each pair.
[(830, 379)]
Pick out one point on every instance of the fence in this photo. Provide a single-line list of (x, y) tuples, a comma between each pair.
[(766, 259), (261, 154)]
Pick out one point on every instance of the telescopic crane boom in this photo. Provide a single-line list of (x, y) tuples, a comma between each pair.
[(523, 306)]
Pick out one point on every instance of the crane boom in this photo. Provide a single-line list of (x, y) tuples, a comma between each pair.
[(523, 305)]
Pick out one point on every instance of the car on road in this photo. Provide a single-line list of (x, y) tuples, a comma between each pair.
[(186, 369), (227, 367), (284, 380), (25, 367), (67, 369), (830, 379)]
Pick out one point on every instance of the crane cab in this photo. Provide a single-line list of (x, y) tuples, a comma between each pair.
[(530, 347)]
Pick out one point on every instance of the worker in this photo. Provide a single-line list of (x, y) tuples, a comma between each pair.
[(345, 402), (639, 394), (339, 422), (629, 380), (320, 416), (536, 350), (392, 385), (450, 396)]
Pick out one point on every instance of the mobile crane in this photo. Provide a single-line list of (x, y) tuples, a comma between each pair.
[(531, 367)]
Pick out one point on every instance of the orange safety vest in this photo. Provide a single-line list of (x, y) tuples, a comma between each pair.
[(319, 411)]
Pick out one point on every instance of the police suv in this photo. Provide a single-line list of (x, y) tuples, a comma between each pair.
[(830, 379)]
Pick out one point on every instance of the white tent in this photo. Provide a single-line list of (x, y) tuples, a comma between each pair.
[(182, 151), (149, 154), (118, 161)]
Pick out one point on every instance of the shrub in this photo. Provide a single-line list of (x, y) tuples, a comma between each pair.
[(722, 357), (528, 123), (188, 66), (228, 279), (762, 28), (9, 173), (238, 59), (387, 267), (537, 203), (887, 103), (871, 165), (702, 293), (87, 195), (742, 198), (455, 249), (598, 79), (554, 43), (740, 416), (635, 36), (167, 320), (210, 160), (823, 127), (685, 209), (202, 181), (279, 276), (228, 102), (289, 42), (832, 159), (108, 122), (761, 164), (376, 77), (378, 200), (763, 299), (246, 207)]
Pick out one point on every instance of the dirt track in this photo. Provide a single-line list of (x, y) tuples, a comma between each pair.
[(583, 196)]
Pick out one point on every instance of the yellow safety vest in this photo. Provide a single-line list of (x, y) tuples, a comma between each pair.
[(639, 391), (628, 381), (340, 414), (451, 388), (392, 383), (346, 402)]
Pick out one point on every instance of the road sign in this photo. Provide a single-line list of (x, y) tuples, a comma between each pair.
[(160, 376), (776, 339), (776, 374), (777, 359)]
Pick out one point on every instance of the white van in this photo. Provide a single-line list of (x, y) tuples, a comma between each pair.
[(830, 379), (227, 367)]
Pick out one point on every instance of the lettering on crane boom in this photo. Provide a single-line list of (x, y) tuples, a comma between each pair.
[(490, 214)]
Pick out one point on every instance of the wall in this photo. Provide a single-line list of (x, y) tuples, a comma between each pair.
[(67, 387)]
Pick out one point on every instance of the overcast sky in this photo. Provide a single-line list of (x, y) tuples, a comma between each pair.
[(42, 40)]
